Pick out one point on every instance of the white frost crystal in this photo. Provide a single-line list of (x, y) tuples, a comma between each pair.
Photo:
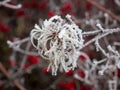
[(58, 40)]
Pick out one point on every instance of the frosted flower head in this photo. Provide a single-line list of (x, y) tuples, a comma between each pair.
[(58, 40)]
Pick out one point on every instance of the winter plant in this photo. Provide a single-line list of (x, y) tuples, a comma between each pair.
[(68, 52), (58, 40)]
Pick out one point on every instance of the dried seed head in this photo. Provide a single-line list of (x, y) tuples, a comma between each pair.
[(58, 40)]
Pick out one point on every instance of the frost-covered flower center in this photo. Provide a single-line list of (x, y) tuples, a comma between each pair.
[(58, 40)]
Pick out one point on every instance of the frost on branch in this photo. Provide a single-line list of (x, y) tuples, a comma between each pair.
[(5, 3), (58, 40)]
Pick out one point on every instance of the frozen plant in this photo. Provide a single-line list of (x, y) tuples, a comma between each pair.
[(58, 41)]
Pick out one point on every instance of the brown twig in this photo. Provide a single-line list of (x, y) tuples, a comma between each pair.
[(104, 9), (15, 82)]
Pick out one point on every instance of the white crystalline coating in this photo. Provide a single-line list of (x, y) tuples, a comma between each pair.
[(58, 40)]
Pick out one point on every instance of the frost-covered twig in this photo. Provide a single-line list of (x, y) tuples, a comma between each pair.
[(117, 43), (110, 31), (117, 2), (113, 50), (94, 32), (6, 4), (15, 45), (98, 47), (112, 85), (25, 56), (104, 9)]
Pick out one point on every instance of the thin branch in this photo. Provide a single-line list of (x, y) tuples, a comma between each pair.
[(15, 46), (100, 48), (15, 82), (117, 43), (104, 9), (101, 36)]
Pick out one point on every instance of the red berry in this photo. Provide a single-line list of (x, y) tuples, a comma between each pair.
[(88, 88), (33, 4), (4, 28), (26, 5), (73, 14), (90, 54), (66, 8), (118, 73), (88, 6), (11, 63), (33, 59), (45, 70), (81, 57), (43, 5), (69, 73), (82, 87), (81, 73), (61, 84), (20, 13), (70, 85), (50, 14), (67, 86), (26, 66)]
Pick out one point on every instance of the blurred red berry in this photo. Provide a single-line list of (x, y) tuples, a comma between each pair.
[(90, 54), (26, 5), (81, 57), (43, 5), (88, 88), (66, 8), (45, 71), (118, 73), (82, 87), (20, 13), (11, 63), (81, 73), (67, 86), (70, 85), (69, 73), (61, 84), (50, 14), (26, 66), (33, 59), (78, 2), (72, 13), (88, 6), (4, 28), (33, 4)]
